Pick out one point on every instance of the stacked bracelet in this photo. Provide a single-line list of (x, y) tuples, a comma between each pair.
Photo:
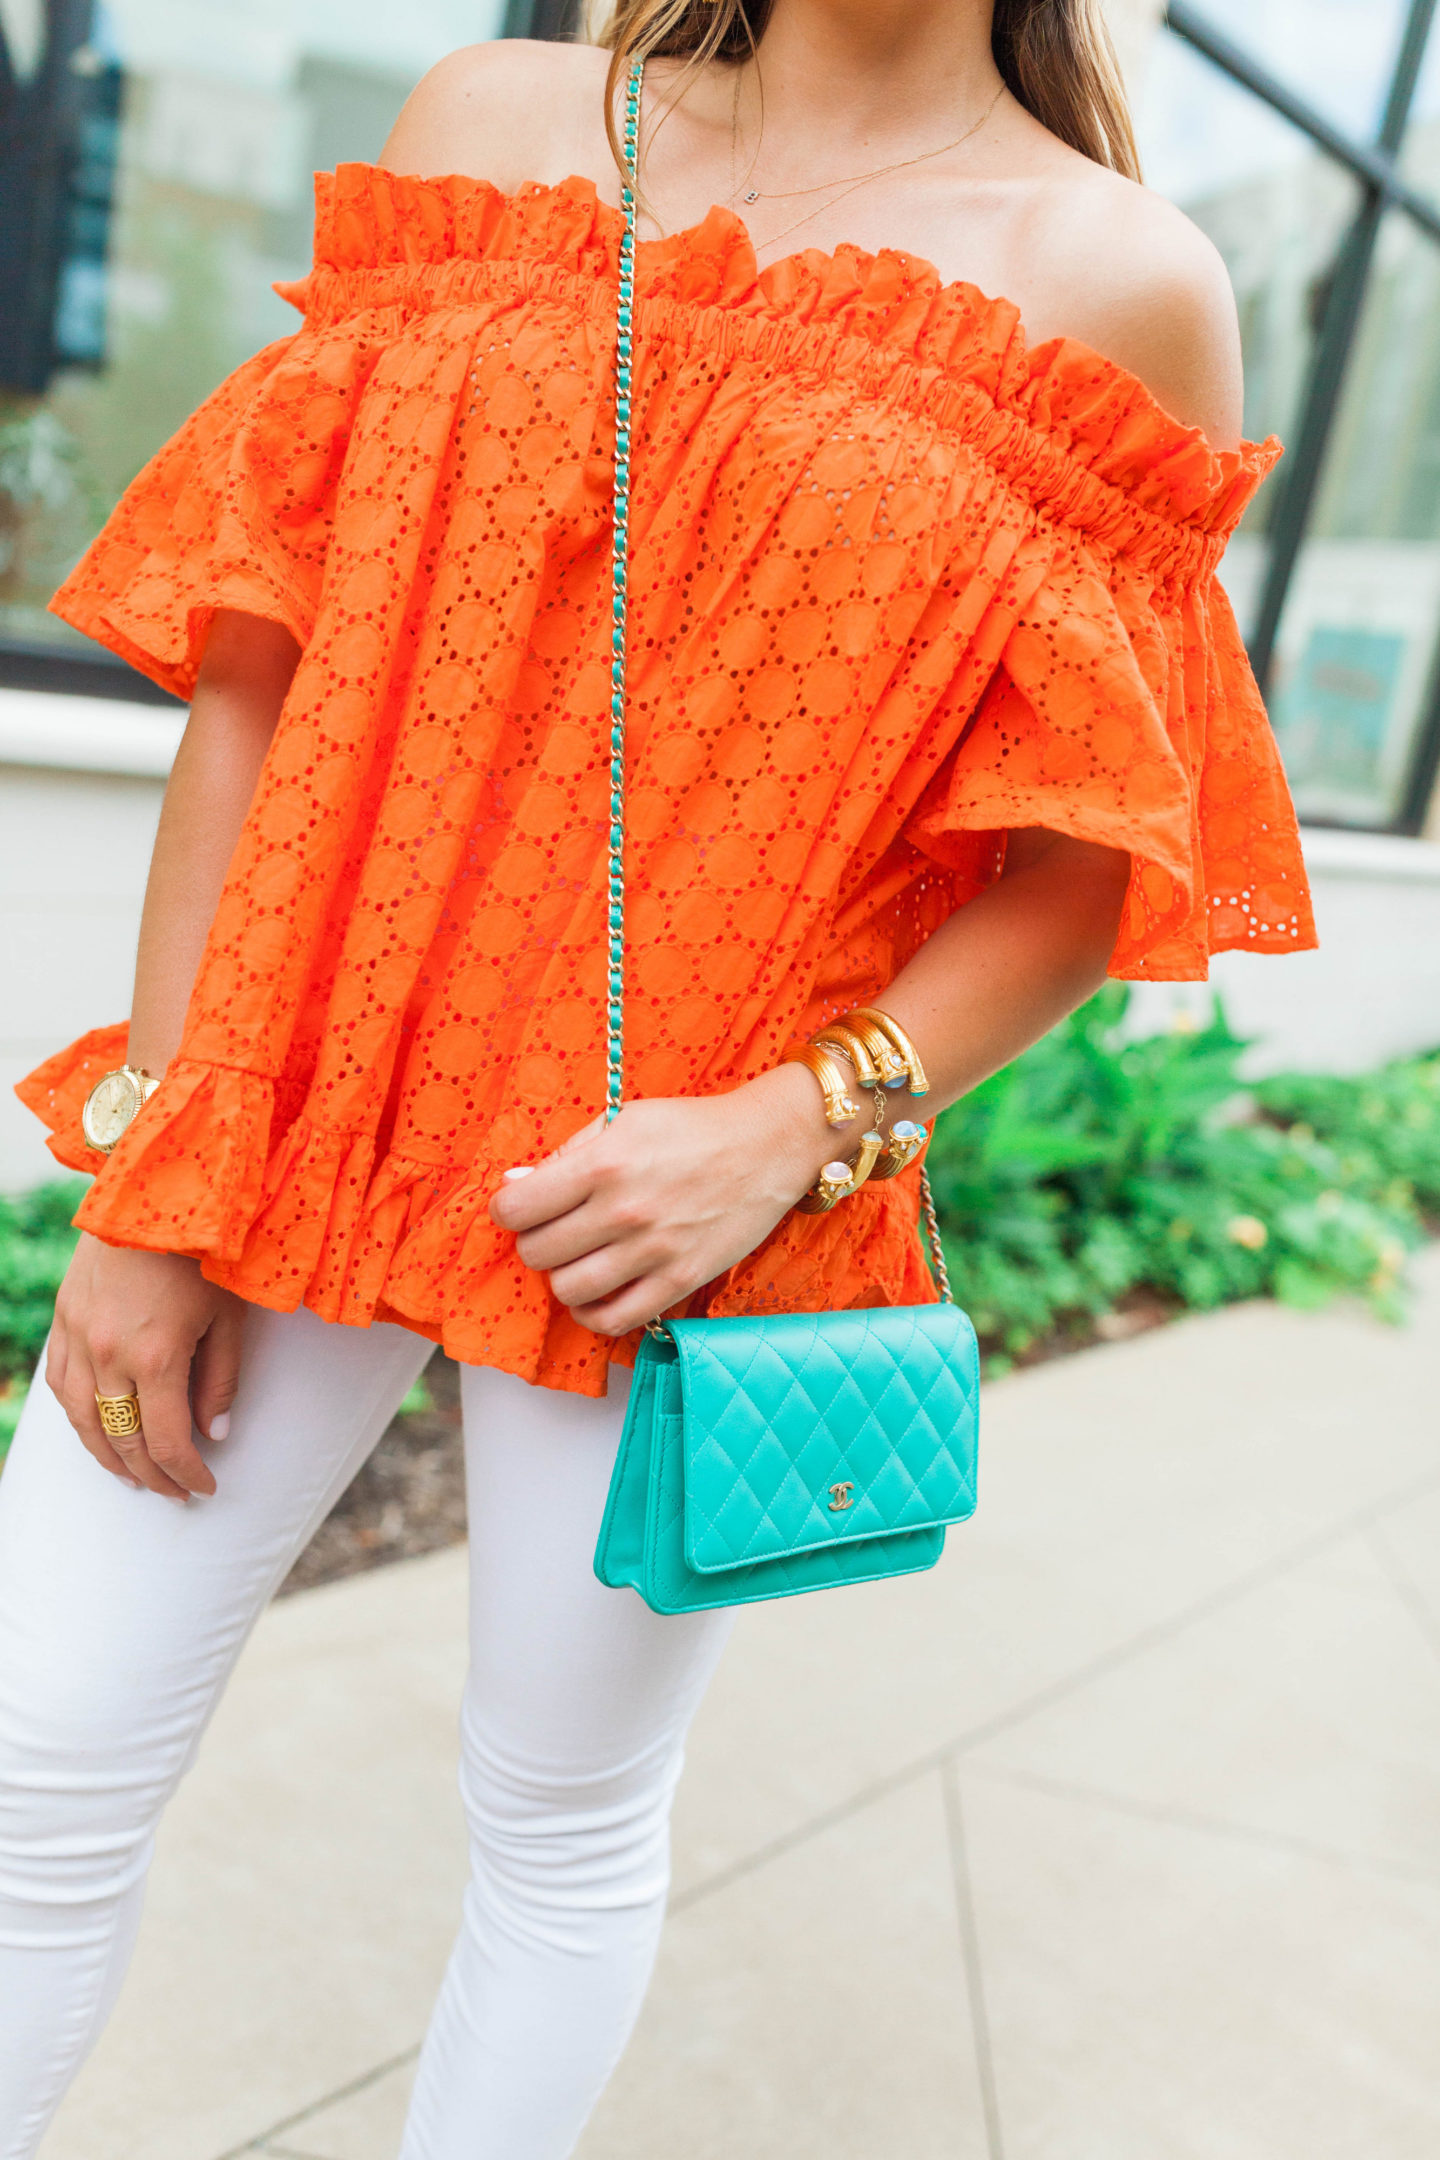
[(883, 1058), (906, 1140), (876, 1060), (839, 1179), (840, 1106), (913, 1072)]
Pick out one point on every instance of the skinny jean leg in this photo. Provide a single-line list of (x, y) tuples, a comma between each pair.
[(573, 1729), (121, 1617)]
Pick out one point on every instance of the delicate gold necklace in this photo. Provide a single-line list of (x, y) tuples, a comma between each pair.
[(851, 181)]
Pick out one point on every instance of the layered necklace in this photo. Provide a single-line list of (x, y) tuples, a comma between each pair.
[(842, 187)]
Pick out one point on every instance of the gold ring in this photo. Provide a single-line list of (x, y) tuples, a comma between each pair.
[(119, 1414)]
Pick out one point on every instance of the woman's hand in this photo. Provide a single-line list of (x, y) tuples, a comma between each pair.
[(146, 1324), (628, 1219), (136, 1323)]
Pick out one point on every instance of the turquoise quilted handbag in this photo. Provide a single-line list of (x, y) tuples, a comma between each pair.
[(762, 1457)]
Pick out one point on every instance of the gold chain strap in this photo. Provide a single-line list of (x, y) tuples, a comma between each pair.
[(615, 918)]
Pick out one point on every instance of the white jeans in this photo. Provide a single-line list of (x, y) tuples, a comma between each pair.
[(122, 1614)]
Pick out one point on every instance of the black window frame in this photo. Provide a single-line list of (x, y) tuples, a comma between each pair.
[(1376, 168)]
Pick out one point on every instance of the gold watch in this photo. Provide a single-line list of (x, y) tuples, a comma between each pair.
[(113, 1103)]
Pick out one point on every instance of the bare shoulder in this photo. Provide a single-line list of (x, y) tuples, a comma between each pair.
[(508, 111), (1122, 269)]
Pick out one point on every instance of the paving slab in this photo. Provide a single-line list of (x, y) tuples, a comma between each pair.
[(817, 2005), (1122, 1492), (1407, 1540), (306, 1883), (364, 2124), (1306, 1710), (1154, 1989), (1180, 1679)]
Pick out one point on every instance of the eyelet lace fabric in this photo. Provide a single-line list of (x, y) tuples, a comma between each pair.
[(899, 585)]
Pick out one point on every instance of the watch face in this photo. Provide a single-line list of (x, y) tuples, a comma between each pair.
[(109, 1107)]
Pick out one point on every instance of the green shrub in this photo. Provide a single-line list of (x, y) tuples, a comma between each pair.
[(36, 1242), (1094, 1167)]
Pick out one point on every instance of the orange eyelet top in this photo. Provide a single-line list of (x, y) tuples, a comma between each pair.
[(897, 586)]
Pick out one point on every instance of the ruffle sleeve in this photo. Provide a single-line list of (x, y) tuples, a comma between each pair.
[(238, 509), (1123, 711), (56, 1091), (235, 511)]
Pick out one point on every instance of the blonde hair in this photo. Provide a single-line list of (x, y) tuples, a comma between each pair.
[(1055, 55)]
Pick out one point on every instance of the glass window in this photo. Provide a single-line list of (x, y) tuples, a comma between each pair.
[(1277, 209), (1338, 55), (1420, 153), (1352, 677), (226, 107)]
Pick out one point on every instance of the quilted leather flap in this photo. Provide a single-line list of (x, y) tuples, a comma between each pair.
[(807, 1429)]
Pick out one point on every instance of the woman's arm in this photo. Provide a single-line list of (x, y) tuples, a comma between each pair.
[(243, 680), (129, 1321), (630, 1218)]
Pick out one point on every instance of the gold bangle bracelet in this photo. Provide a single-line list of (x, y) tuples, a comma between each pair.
[(849, 1042), (907, 1140), (840, 1105), (872, 1146), (883, 1053), (919, 1084), (838, 1180), (829, 1187)]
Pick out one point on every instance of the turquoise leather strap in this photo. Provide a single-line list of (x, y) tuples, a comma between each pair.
[(619, 572)]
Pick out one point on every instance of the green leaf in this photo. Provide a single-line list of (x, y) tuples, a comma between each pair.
[(1097, 1164), (36, 1241)]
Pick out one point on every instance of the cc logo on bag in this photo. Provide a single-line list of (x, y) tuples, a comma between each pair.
[(842, 1496)]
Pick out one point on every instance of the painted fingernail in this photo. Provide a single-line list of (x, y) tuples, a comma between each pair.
[(521, 1170), (220, 1426)]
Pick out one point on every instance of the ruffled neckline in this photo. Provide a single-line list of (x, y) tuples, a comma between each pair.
[(1085, 404)]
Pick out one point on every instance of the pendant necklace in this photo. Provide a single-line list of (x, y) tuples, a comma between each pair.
[(851, 181)]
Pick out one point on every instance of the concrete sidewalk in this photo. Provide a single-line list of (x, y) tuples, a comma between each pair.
[(1117, 1838)]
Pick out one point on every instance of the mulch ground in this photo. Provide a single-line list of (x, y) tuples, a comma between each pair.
[(408, 1499)]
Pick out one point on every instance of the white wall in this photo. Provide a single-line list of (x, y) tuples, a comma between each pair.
[(80, 787), (1371, 992), (1133, 24), (75, 842)]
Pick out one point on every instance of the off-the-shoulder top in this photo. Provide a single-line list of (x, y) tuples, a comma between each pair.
[(898, 586)]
